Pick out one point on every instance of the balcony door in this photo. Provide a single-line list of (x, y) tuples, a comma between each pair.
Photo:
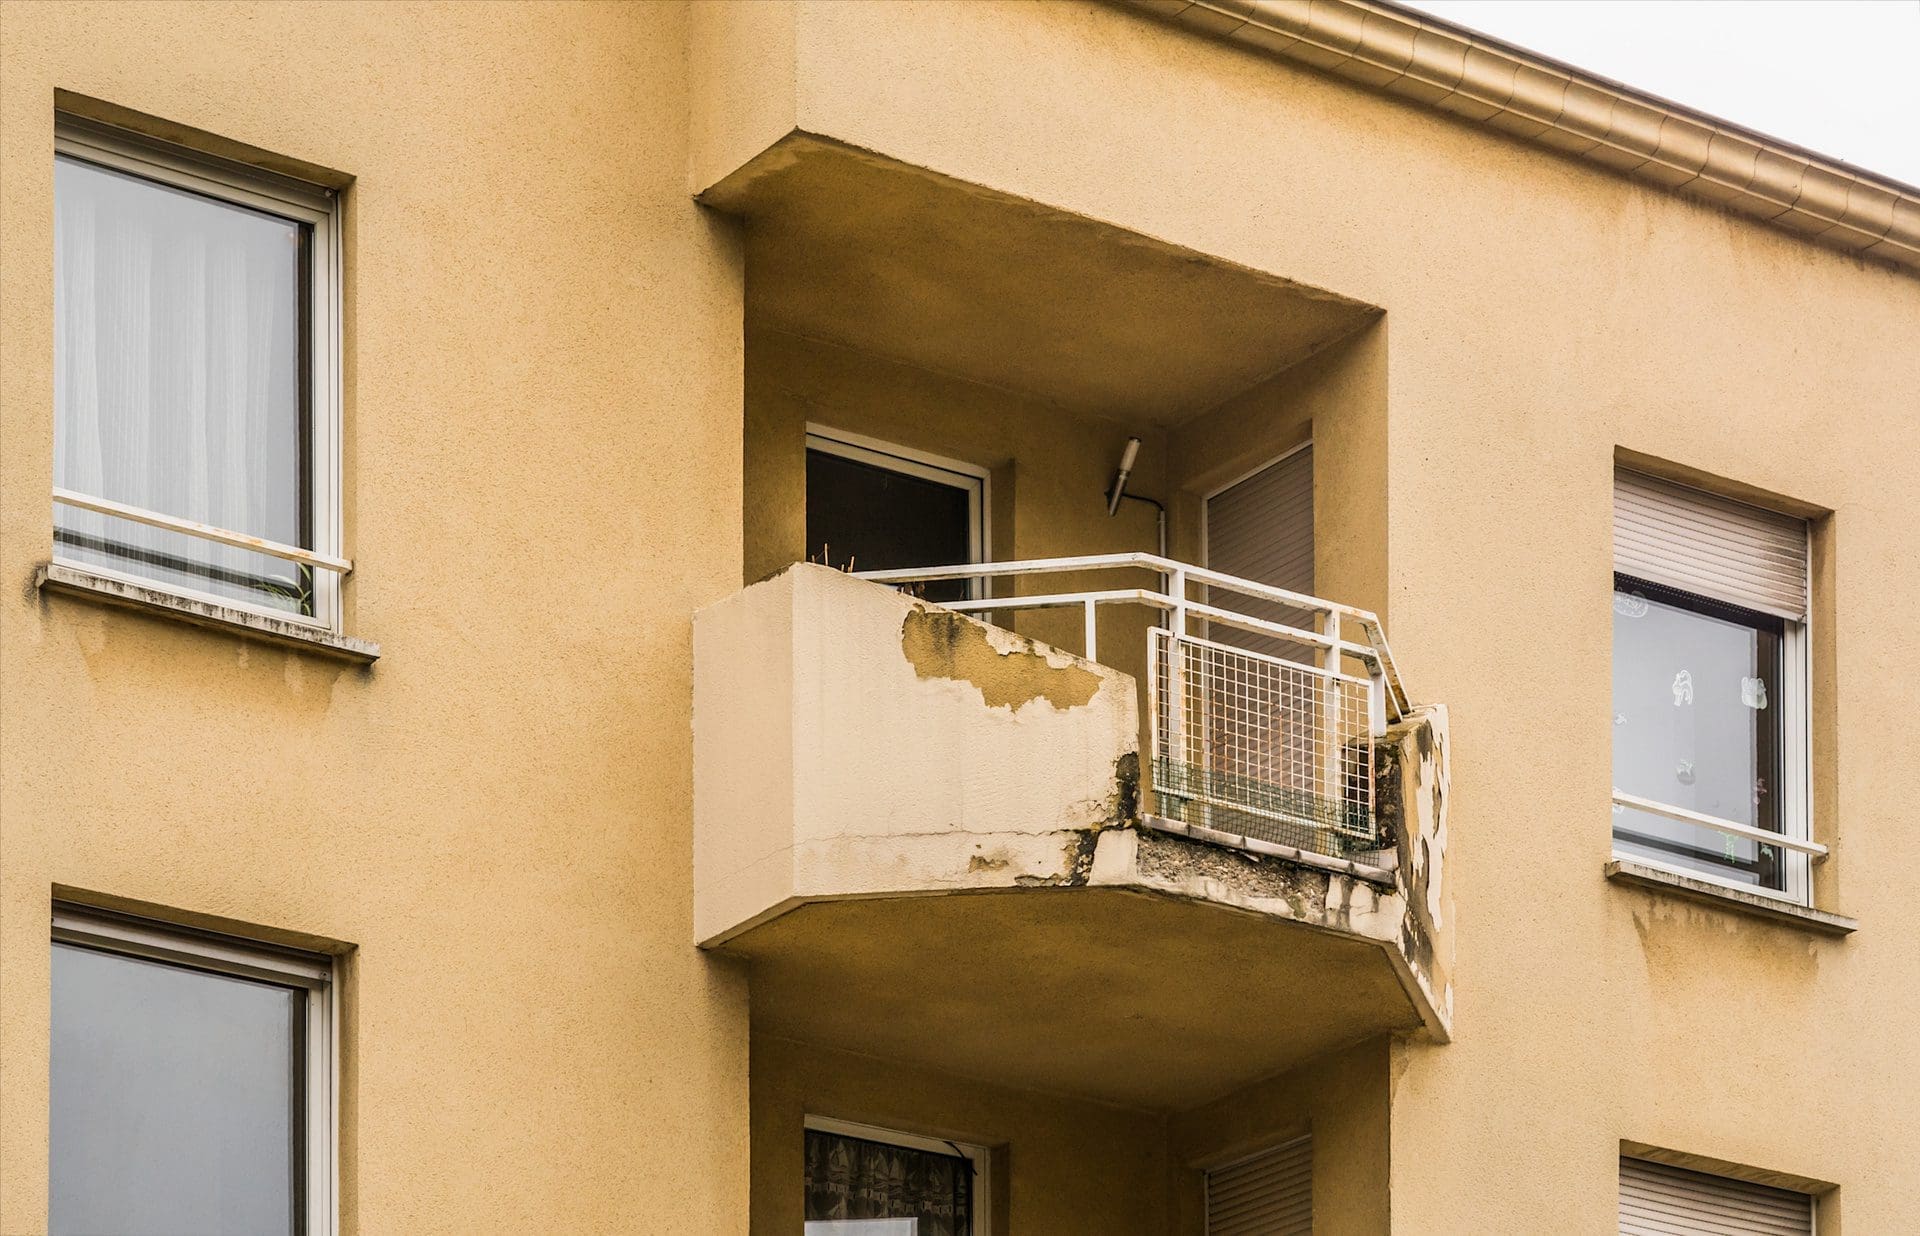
[(873, 506)]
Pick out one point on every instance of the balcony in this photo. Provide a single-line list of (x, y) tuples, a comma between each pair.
[(935, 840)]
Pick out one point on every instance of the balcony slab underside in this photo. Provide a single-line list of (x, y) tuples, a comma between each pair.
[(852, 248), (1113, 994)]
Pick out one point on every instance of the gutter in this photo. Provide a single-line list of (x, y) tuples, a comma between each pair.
[(1541, 100)]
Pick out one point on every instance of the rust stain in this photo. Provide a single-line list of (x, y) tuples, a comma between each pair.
[(942, 644)]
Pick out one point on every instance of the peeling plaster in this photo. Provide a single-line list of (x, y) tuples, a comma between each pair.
[(1009, 671)]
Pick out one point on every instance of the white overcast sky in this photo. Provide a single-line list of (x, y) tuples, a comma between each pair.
[(1841, 77)]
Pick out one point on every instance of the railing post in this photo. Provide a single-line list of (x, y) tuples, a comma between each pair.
[(1177, 675), (1330, 689), (1091, 645)]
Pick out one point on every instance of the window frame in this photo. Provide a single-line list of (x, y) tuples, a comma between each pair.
[(216, 953), (318, 207), (1795, 747), (981, 1157), (954, 473)]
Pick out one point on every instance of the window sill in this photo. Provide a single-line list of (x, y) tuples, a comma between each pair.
[(105, 590), (1755, 905)]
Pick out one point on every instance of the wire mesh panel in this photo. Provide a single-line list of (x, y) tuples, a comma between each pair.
[(1261, 746)]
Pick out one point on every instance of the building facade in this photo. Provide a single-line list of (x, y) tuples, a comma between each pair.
[(458, 772)]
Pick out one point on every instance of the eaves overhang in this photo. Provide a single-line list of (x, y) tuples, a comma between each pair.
[(1544, 101)]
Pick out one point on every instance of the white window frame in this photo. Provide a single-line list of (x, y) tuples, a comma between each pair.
[(1796, 762), (979, 1156), (180, 168), (975, 480), (214, 953)]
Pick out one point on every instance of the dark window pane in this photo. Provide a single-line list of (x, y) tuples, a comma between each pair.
[(864, 517), (854, 1186), (180, 341), (1696, 707), (176, 1100)]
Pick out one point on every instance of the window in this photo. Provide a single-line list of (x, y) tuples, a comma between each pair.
[(863, 1181), (1710, 687), (195, 376), (1270, 1194), (1660, 1200), (191, 1083), (876, 507)]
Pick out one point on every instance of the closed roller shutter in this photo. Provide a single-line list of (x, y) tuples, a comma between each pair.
[(1268, 1195), (1658, 1200), (1709, 546), (1262, 529)]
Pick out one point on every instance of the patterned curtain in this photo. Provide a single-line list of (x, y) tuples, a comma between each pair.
[(852, 1178)]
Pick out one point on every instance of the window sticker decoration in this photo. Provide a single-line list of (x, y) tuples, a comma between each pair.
[(1630, 605), (1753, 692), (1684, 773), (1759, 790), (1683, 688)]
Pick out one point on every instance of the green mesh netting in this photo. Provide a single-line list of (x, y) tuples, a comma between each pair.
[(1250, 807)]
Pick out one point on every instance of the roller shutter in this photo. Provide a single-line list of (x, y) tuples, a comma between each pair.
[(1658, 1200), (1709, 546), (1262, 529), (1270, 1194)]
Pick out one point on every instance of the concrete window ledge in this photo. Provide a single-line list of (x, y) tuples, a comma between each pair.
[(106, 590), (1755, 905)]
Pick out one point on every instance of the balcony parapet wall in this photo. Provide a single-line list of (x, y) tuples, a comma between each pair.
[(851, 741)]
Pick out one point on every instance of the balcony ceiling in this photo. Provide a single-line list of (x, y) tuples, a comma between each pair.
[(852, 249)]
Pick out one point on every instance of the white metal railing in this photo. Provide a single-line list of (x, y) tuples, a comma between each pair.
[(1732, 828), (1272, 743), (204, 532)]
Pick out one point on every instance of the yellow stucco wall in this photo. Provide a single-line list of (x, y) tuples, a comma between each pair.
[(1062, 1166), (544, 389), (1342, 1100), (1049, 471), (1542, 314), (542, 405)]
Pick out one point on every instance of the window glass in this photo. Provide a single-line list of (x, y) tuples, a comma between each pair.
[(863, 517), (176, 1100), (180, 386), (1696, 708), (857, 1187)]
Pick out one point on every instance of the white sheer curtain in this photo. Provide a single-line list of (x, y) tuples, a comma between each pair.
[(177, 383)]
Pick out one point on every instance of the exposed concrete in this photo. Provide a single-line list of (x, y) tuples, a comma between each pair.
[(1410, 805)]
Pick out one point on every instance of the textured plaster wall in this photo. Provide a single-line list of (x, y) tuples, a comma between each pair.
[(1061, 1166), (1336, 399), (1342, 1099), (1049, 470), (1542, 316), (543, 358)]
